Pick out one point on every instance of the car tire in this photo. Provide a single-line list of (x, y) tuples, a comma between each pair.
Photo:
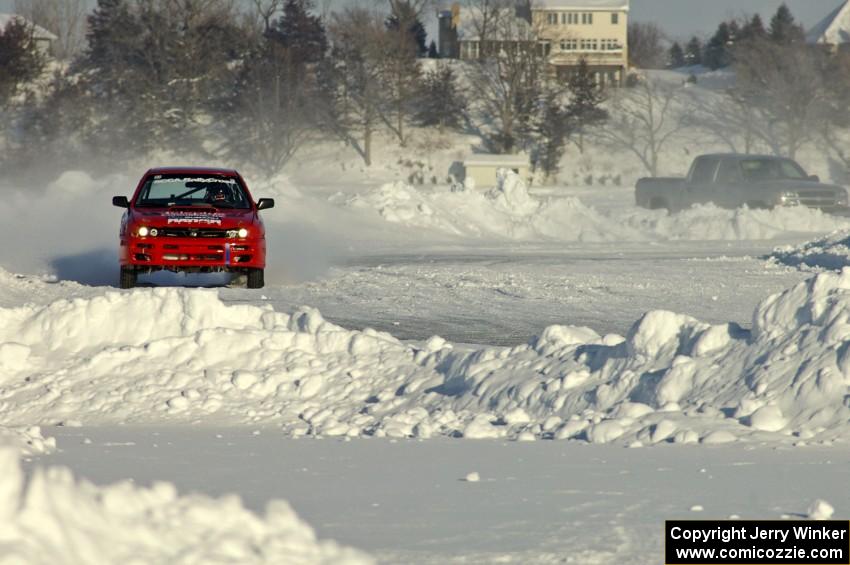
[(127, 278), (256, 278)]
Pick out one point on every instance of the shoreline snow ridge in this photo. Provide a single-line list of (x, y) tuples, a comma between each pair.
[(167, 355), (509, 212)]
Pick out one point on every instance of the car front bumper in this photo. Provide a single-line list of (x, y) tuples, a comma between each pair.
[(192, 254)]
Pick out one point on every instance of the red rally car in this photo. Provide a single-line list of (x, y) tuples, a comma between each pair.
[(192, 220)]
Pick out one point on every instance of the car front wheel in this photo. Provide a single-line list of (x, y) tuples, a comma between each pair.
[(128, 277), (256, 278)]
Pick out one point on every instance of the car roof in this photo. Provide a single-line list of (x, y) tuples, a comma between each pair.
[(741, 156), (192, 171)]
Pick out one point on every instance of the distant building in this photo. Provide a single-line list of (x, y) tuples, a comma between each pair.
[(43, 38), (567, 31), (482, 168), (834, 29)]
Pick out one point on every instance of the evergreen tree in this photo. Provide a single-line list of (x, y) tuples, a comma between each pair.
[(301, 33), (753, 29), (432, 51), (784, 29), (693, 51), (553, 129), (676, 56), (585, 107), (717, 52), (442, 103), (404, 16), (20, 59)]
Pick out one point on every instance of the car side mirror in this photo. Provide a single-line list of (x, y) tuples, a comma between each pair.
[(265, 203), (814, 178), (120, 201)]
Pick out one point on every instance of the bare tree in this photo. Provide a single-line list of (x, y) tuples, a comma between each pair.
[(784, 87), (646, 46), (265, 11), (724, 117), (508, 80), (357, 36), (835, 126), (65, 18), (643, 120)]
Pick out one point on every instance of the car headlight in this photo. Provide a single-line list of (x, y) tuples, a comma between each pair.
[(789, 198), (154, 232), (143, 231), (243, 232)]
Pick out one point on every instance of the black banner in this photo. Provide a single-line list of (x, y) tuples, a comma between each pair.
[(756, 542)]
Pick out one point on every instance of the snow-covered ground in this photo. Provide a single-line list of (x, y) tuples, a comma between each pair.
[(407, 501)]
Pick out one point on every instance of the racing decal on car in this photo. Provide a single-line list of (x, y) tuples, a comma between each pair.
[(193, 218)]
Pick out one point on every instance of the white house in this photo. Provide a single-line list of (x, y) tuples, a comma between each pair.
[(43, 38), (834, 29), (568, 31)]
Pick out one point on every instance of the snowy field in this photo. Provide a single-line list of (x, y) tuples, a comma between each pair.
[(599, 368)]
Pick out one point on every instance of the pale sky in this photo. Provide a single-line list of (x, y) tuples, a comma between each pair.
[(679, 18)]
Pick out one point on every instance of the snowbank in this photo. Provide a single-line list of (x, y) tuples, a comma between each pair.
[(54, 519), (27, 440), (183, 356), (828, 252), (509, 212)]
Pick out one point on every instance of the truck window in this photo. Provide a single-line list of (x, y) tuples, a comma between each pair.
[(730, 172), (704, 169)]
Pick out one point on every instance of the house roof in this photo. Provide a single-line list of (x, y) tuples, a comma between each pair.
[(833, 29), (587, 5), (38, 31), (483, 159)]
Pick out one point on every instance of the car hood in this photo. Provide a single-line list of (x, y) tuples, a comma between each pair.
[(194, 217), (799, 185)]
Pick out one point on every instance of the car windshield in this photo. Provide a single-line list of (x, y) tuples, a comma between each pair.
[(769, 169), (163, 191)]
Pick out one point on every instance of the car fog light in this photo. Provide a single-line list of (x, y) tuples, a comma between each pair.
[(143, 231), (243, 232)]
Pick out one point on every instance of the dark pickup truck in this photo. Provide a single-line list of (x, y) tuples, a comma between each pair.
[(734, 180)]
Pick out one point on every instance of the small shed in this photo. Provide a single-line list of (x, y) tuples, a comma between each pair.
[(481, 168)]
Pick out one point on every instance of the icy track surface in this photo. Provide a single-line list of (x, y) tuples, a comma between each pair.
[(183, 356), (54, 519)]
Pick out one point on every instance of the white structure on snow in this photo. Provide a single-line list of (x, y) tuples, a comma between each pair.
[(483, 168)]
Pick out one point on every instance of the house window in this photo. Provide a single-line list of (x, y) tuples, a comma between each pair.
[(552, 19), (615, 18), (569, 44), (587, 18)]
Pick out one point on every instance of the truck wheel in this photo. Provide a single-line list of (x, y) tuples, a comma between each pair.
[(127, 278), (659, 204), (256, 278)]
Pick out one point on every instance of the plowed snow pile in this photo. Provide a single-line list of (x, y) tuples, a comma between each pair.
[(829, 252), (182, 356), (28, 440), (55, 520), (509, 212)]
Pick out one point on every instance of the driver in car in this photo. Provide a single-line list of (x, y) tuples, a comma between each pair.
[(218, 195)]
